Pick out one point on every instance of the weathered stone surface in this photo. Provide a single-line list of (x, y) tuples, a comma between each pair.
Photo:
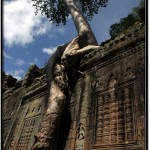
[(126, 40), (106, 108), (32, 73), (8, 82)]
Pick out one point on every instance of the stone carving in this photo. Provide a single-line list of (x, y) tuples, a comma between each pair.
[(112, 81), (5, 129), (109, 45), (113, 116), (100, 119), (128, 114), (35, 108), (114, 70), (32, 73), (129, 73), (80, 132), (114, 121), (121, 117), (26, 134), (60, 62), (12, 143), (106, 129)]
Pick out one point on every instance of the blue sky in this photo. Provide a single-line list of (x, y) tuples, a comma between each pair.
[(31, 39)]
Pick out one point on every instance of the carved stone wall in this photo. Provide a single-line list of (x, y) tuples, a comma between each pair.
[(26, 123), (109, 100), (106, 109), (9, 111)]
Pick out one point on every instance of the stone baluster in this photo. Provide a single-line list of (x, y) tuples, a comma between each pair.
[(113, 118), (100, 119), (106, 129), (121, 120), (128, 113)]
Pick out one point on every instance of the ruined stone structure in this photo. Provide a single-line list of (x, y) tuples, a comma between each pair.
[(106, 109)]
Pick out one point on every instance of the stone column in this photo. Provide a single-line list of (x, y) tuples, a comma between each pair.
[(128, 113), (121, 121), (100, 118), (82, 126), (106, 129), (113, 118)]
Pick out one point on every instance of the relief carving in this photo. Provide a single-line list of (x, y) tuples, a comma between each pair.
[(121, 119), (115, 94), (129, 73), (80, 132), (114, 120), (112, 81), (113, 116), (26, 134), (128, 114)]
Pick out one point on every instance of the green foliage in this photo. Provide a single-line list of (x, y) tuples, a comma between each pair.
[(57, 11), (123, 25), (138, 14)]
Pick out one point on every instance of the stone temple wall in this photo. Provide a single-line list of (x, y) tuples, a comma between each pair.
[(106, 110)]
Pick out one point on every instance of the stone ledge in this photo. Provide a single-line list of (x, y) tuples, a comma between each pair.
[(130, 146), (35, 92), (117, 45)]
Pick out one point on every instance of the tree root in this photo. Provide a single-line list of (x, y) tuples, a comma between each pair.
[(65, 57)]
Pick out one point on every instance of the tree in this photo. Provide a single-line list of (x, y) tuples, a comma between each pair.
[(66, 57), (122, 25), (137, 14), (139, 11), (57, 11)]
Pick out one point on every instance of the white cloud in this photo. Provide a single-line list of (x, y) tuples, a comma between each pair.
[(7, 56), (19, 62), (61, 30), (42, 28), (16, 74), (49, 50), (21, 25), (34, 61), (56, 31)]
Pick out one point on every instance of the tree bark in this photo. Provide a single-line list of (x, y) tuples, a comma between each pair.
[(81, 24), (64, 58), (55, 104)]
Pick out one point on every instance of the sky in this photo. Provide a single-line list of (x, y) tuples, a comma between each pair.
[(31, 39)]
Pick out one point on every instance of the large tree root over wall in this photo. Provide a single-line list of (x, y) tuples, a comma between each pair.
[(64, 58)]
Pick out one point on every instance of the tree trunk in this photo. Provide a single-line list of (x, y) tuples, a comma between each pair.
[(80, 22), (55, 104), (64, 58)]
